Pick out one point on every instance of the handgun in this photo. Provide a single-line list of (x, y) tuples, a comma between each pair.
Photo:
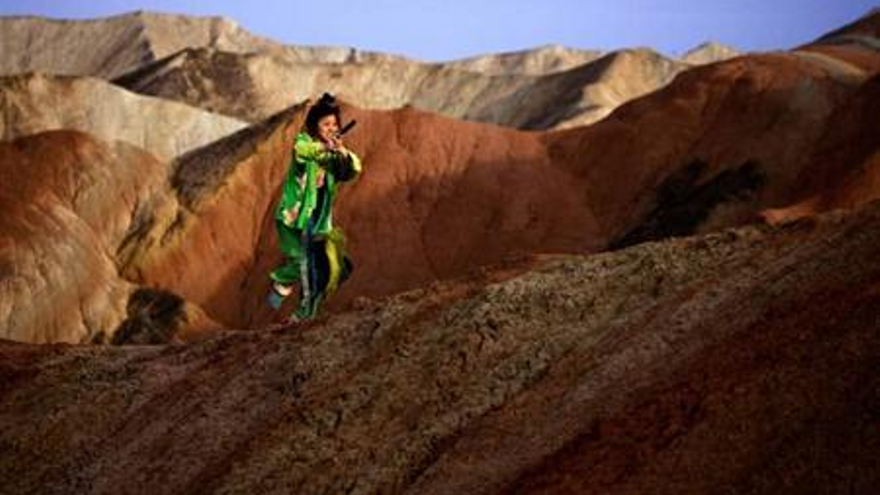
[(347, 127)]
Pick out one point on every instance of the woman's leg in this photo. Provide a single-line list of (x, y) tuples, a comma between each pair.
[(288, 274), (315, 283)]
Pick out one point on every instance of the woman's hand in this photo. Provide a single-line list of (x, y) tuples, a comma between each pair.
[(334, 143), (289, 215)]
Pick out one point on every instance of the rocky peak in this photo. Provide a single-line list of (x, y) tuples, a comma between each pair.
[(543, 60), (709, 52)]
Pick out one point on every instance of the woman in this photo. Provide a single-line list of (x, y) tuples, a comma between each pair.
[(314, 249)]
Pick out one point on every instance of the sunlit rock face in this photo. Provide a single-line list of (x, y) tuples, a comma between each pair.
[(212, 63), (254, 86), (33, 103), (113, 46), (67, 201), (71, 203)]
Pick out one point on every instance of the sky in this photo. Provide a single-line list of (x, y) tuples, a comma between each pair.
[(438, 30)]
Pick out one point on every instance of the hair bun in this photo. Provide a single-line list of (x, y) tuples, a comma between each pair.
[(327, 99)]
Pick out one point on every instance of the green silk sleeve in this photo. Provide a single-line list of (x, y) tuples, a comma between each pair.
[(292, 192), (307, 149)]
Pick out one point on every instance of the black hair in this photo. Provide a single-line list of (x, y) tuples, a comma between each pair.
[(325, 106)]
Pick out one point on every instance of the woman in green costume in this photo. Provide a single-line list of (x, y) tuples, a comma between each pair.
[(314, 249)]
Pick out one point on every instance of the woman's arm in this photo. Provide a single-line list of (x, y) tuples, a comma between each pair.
[(308, 149), (291, 193), (345, 165)]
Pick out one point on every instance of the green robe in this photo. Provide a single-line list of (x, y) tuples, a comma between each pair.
[(312, 204)]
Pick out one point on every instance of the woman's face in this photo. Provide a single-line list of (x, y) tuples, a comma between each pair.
[(328, 126)]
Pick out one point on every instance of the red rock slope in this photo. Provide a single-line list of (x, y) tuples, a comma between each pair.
[(440, 198), (69, 201)]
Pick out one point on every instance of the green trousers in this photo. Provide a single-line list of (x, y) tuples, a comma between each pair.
[(317, 262)]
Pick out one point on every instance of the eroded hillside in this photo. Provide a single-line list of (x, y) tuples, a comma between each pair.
[(667, 367)]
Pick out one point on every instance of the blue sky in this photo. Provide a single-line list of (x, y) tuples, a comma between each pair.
[(435, 30)]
